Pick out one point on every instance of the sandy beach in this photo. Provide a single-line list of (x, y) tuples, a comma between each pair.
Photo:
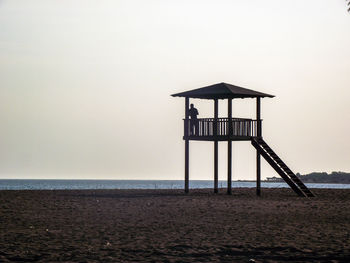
[(168, 226)]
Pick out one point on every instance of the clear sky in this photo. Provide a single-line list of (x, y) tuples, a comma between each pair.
[(85, 85)]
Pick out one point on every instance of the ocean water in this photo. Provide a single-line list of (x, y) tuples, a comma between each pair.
[(19, 184)]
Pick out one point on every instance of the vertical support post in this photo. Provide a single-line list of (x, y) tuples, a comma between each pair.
[(187, 145), (258, 159), (216, 146), (229, 148), (258, 117)]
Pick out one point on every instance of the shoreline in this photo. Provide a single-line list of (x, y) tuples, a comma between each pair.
[(160, 180), (151, 180)]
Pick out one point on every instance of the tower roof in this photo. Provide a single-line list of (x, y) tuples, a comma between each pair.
[(222, 91)]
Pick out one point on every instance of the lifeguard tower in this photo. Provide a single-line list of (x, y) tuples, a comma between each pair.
[(233, 129)]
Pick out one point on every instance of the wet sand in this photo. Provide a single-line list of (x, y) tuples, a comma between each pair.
[(168, 226)]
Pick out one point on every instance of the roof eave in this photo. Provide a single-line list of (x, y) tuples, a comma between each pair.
[(222, 97)]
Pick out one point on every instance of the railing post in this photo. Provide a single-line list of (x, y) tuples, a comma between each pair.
[(187, 145), (216, 170)]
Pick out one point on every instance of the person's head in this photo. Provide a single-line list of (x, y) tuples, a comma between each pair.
[(191, 105)]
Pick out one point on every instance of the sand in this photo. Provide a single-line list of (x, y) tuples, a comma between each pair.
[(168, 226)]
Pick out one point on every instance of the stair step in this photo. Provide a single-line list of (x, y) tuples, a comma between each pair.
[(297, 181)]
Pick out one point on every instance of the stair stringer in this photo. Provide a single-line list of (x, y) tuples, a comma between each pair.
[(273, 164)]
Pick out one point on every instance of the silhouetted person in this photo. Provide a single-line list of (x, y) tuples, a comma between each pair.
[(193, 112)]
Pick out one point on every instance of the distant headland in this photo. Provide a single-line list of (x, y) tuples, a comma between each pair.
[(319, 177)]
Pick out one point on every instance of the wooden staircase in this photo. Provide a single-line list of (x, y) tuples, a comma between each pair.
[(281, 168)]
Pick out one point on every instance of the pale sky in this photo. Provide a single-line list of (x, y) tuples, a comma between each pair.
[(85, 85)]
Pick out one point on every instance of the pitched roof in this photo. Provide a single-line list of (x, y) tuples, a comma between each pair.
[(222, 91)]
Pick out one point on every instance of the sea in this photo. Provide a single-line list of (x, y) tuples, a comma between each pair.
[(21, 184)]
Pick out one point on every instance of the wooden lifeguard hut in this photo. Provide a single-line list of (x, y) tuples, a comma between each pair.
[(233, 129)]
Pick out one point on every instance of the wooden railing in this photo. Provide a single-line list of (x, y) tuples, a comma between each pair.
[(206, 127)]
